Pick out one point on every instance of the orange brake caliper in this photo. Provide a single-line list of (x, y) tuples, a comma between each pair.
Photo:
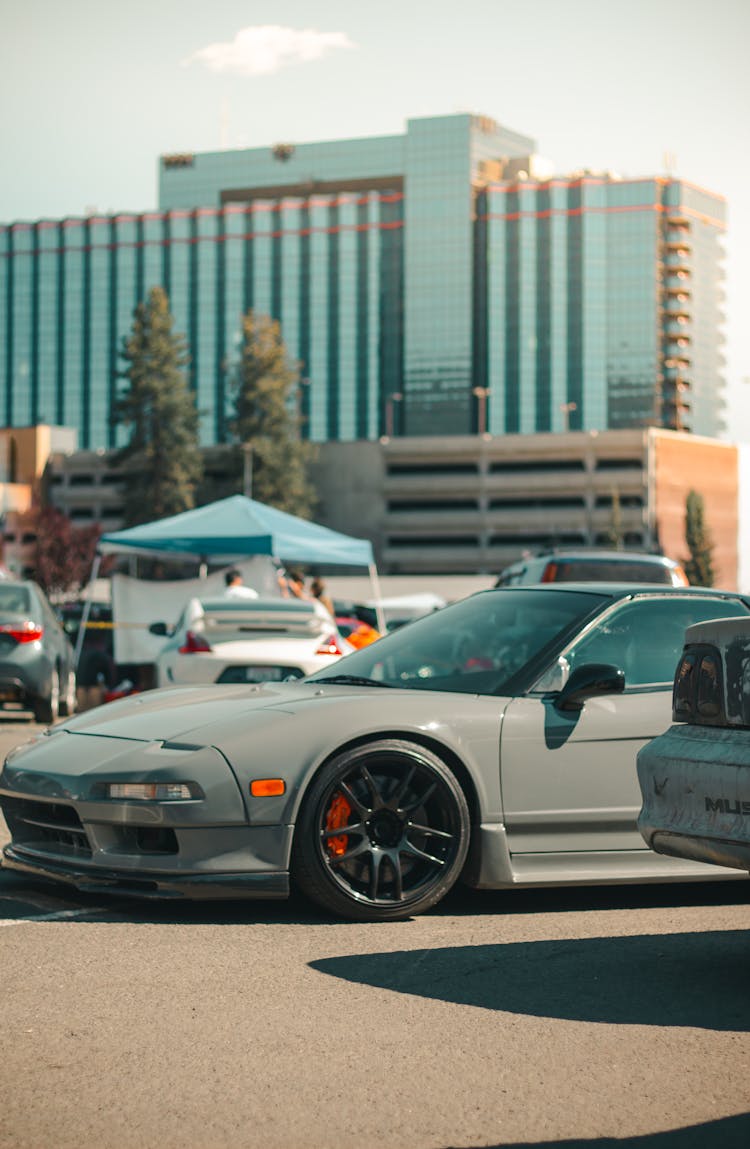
[(338, 815)]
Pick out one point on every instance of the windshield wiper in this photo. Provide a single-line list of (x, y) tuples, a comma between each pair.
[(351, 680)]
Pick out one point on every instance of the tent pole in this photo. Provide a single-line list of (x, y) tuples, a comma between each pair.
[(375, 584), (87, 608)]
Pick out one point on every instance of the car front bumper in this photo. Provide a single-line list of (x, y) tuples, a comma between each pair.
[(148, 883), (64, 826)]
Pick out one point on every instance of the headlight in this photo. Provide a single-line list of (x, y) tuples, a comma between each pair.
[(150, 791)]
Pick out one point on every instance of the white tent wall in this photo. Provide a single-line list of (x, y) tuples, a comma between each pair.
[(136, 603)]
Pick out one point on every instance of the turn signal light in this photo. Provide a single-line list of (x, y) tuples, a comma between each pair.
[(195, 644), (267, 787), (330, 645), (150, 791)]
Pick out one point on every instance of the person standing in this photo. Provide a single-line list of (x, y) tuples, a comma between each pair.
[(295, 581), (235, 588), (318, 591)]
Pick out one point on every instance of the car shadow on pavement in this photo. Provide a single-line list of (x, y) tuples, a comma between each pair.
[(27, 899), (725, 1133), (681, 979), (572, 899)]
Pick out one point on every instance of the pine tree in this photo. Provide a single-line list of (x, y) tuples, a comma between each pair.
[(699, 566), (613, 534), (270, 461), (162, 463)]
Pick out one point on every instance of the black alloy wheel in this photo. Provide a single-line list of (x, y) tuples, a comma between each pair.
[(383, 833)]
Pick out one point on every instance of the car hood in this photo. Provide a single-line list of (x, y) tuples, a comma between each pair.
[(209, 714), (177, 711)]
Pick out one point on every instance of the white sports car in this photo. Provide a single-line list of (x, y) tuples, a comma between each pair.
[(231, 640)]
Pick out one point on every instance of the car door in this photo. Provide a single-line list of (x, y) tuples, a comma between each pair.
[(569, 780)]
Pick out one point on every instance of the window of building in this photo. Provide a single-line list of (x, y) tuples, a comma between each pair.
[(619, 464), (433, 541), (543, 465)]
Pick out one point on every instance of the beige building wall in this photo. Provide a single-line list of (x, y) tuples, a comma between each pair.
[(689, 462), (24, 454), (470, 505)]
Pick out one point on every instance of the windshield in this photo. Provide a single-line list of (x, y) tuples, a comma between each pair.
[(476, 646)]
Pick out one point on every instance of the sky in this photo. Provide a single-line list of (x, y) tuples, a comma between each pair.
[(93, 91)]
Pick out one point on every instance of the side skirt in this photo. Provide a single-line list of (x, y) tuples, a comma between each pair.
[(492, 867)]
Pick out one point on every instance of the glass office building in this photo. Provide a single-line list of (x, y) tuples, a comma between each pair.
[(437, 282), (602, 299)]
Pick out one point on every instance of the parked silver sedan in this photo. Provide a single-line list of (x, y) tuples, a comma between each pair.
[(493, 741), (37, 660)]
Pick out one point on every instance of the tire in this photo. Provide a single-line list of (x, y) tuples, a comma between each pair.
[(47, 710), (383, 833), (68, 696)]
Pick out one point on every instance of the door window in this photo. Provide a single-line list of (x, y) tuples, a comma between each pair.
[(645, 637)]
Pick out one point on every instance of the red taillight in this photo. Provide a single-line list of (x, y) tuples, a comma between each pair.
[(195, 644), (549, 574), (22, 631), (330, 645)]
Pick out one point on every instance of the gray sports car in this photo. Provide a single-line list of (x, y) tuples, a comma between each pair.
[(493, 741)]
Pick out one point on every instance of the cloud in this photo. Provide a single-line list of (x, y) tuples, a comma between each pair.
[(264, 49)]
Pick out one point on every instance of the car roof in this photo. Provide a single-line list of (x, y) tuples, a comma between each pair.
[(616, 590), (594, 553)]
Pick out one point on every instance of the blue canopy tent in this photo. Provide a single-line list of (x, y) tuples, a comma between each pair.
[(235, 528), (238, 526)]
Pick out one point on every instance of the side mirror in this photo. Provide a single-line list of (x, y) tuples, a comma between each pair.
[(159, 629), (587, 681)]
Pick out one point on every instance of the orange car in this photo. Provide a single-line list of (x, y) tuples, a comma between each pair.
[(356, 632)]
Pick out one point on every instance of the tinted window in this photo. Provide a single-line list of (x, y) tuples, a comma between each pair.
[(645, 637), (476, 646)]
